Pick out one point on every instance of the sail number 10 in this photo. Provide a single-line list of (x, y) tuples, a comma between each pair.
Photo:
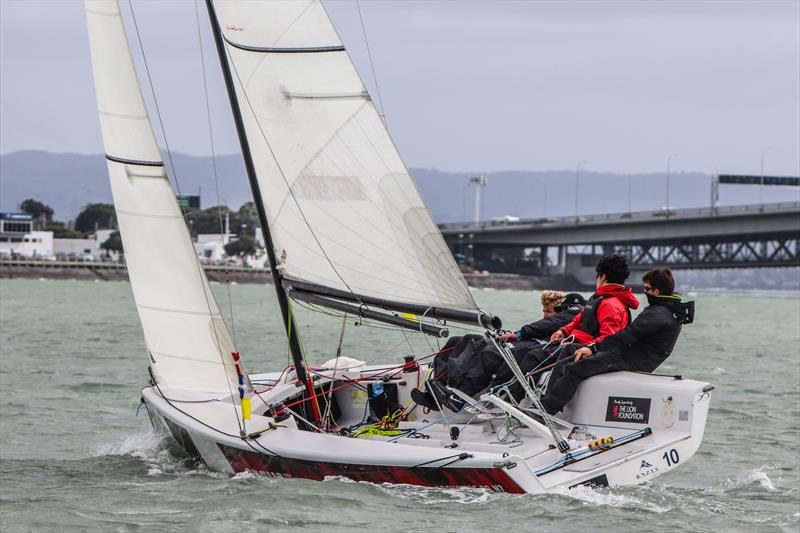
[(671, 457)]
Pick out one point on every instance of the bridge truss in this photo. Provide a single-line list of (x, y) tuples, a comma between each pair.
[(745, 253)]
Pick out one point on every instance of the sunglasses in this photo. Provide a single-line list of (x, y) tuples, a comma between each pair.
[(648, 288)]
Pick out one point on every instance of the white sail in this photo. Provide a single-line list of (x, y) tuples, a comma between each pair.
[(183, 329), (342, 208)]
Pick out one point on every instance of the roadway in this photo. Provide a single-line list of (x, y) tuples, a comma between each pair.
[(724, 224)]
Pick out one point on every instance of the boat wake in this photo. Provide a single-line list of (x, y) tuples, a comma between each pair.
[(426, 495), (156, 452), (614, 497)]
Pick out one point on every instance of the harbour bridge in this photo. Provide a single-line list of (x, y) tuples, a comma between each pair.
[(765, 235)]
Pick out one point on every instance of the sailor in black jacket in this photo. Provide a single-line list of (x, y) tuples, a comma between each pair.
[(542, 329), (641, 346), (529, 342), (649, 340)]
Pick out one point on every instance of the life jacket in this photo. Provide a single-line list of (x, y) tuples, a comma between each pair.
[(589, 323)]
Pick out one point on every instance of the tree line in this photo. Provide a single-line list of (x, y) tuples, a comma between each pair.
[(100, 216)]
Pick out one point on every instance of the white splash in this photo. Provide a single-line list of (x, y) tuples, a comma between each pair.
[(138, 443), (757, 476), (439, 495), (428, 495), (607, 498), (150, 448)]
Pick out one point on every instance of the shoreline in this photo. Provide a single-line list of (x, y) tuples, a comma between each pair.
[(106, 271), (103, 271)]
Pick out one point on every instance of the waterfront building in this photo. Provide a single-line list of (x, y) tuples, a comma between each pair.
[(88, 249), (210, 247), (18, 237)]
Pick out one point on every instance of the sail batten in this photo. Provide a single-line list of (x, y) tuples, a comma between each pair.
[(294, 50), (342, 208), (135, 162)]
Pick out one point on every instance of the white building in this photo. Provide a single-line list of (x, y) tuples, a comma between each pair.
[(17, 237), (210, 247), (90, 248), (76, 248)]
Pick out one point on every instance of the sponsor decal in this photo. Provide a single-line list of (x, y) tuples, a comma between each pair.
[(633, 410), (234, 28)]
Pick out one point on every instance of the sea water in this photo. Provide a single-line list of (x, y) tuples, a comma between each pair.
[(76, 454)]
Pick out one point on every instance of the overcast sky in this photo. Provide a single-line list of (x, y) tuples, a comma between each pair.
[(467, 86)]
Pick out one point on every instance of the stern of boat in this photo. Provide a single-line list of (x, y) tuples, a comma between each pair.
[(673, 409)]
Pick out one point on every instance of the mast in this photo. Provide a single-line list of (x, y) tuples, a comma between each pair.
[(291, 329)]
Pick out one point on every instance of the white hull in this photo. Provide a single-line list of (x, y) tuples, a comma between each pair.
[(666, 417)]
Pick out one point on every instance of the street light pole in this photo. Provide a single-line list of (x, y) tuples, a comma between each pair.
[(761, 183), (479, 181), (577, 186), (545, 198), (630, 186), (577, 190), (669, 161)]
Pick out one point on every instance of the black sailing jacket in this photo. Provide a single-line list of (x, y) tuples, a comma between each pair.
[(650, 338), (544, 328)]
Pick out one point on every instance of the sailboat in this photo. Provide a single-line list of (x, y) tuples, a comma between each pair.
[(346, 231)]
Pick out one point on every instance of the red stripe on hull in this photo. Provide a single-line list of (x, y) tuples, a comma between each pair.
[(492, 478)]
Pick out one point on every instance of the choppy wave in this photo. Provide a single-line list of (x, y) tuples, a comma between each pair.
[(153, 450), (603, 497), (757, 477)]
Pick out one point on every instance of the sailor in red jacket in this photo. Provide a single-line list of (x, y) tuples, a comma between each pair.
[(608, 310), (605, 313)]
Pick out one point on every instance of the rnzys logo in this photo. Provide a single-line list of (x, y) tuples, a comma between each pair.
[(646, 470)]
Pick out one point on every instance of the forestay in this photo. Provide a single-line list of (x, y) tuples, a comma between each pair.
[(184, 331), (341, 206)]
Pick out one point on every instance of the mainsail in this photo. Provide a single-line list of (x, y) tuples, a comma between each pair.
[(186, 336), (343, 212)]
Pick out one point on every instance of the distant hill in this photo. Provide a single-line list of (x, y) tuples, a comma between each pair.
[(67, 181)]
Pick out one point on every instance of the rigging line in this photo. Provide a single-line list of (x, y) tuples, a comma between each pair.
[(415, 202), (276, 41), (371, 65), (333, 375), (506, 354), (405, 336), (428, 342), (362, 321), (405, 168), (368, 274), (443, 276), (214, 165), (366, 325), (206, 287), (282, 173), (441, 240), (155, 100), (364, 273)]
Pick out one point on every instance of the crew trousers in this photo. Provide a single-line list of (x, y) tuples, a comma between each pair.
[(567, 375)]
